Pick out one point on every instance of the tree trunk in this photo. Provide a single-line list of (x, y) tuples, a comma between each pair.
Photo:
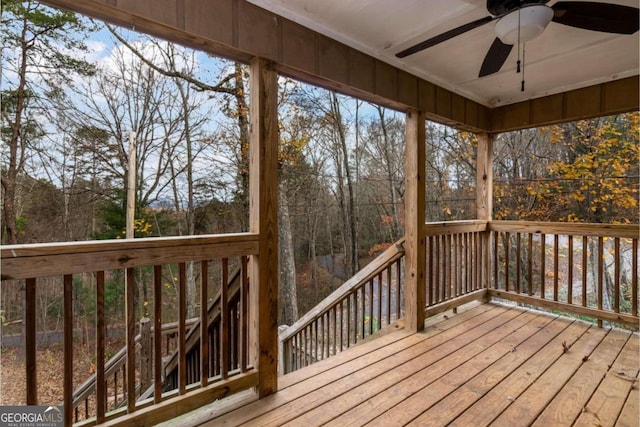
[(243, 125), (9, 180), (350, 213), (287, 266)]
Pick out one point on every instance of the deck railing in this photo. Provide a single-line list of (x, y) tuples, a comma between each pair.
[(456, 257), (102, 261), (539, 264), (115, 369), (363, 305), (587, 270), (223, 331)]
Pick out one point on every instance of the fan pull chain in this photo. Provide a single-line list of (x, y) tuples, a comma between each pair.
[(518, 63), (523, 56)]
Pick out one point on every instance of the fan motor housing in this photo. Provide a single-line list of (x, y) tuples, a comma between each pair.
[(500, 7)]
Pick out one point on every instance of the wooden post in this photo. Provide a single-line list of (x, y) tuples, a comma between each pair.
[(484, 177), (484, 199), (263, 217), (415, 293)]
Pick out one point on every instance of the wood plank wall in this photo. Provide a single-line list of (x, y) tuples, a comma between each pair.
[(239, 30)]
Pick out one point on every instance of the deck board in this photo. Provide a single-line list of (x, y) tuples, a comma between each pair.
[(500, 396), (488, 364), (608, 400), (573, 397), (506, 358)]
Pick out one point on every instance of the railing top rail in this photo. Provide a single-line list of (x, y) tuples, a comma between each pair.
[(96, 246), (454, 227), (49, 259), (369, 271), (628, 231)]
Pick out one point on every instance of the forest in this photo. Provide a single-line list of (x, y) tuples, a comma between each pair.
[(88, 108)]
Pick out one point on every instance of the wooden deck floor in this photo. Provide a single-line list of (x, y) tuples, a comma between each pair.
[(488, 365)]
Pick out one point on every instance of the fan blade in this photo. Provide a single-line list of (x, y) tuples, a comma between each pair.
[(496, 56), (444, 36), (604, 17)]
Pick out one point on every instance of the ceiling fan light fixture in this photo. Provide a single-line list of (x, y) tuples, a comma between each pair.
[(523, 24)]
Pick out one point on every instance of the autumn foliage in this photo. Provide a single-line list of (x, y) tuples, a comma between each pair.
[(589, 173)]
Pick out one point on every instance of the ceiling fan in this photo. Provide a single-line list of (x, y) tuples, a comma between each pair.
[(519, 21)]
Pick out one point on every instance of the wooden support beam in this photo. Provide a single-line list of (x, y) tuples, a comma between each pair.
[(263, 216), (484, 201), (484, 177), (415, 287)]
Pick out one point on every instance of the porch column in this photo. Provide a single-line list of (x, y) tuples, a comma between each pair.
[(263, 218), (415, 288), (484, 200), (484, 177)]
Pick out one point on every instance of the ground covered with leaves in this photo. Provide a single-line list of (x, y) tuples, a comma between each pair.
[(49, 373)]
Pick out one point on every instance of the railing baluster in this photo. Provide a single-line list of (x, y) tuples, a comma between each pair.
[(68, 348), (115, 390), (507, 249), (379, 323), (398, 288), (634, 277), (182, 330), (324, 335), (303, 347), (600, 275), (585, 255), (316, 342), (334, 317), (130, 376), (204, 323), (616, 280), (348, 320), (101, 387), (309, 341), (363, 298), (157, 333), (478, 248), (454, 266), (30, 340), (244, 316), (447, 268), (496, 269), (530, 264), (570, 271), (543, 258), (371, 303), (389, 294), (473, 281), (225, 320), (468, 284), (518, 262), (437, 271), (556, 266)]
